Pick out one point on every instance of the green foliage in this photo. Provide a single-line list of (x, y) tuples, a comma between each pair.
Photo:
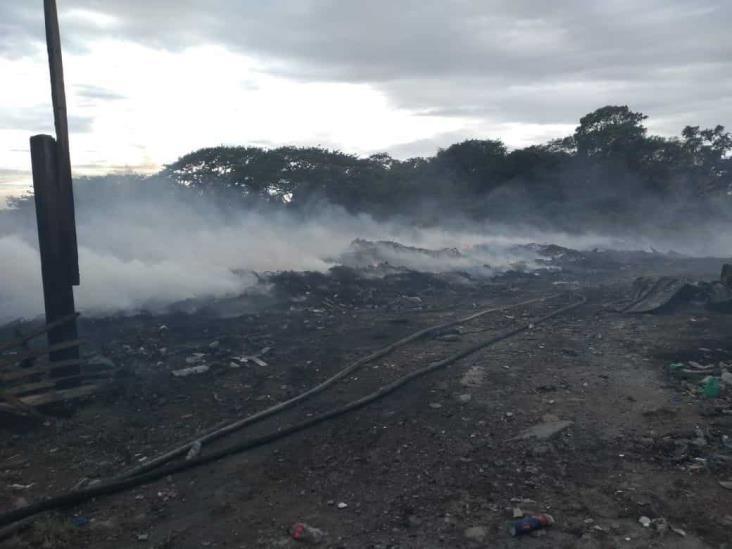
[(609, 169)]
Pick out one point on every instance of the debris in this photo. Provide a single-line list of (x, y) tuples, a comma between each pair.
[(203, 368), (464, 398), (678, 531), (80, 521), (726, 484), (435, 405), (710, 387), (194, 451), (196, 357), (529, 524), (517, 513), (342, 505), (306, 533), (476, 533), (256, 358), (645, 522), (544, 431), (143, 537)]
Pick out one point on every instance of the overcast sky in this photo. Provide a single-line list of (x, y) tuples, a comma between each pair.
[(149, 80)]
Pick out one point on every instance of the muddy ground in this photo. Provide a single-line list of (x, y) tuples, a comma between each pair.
[(435, 464)]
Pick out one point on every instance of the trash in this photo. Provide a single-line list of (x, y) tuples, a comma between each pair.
[(306, 533), (476, 533), (80, 522), (529, 524), (517, 513), (678, 531), (203, 368), (543, 431), (710, 387), (194, 451), (726, 484), (645, 522), (464, 398), (143, 537), (726, 378), (660, 524), (342, 505), (195, 357), (254, 358), (435, 405)]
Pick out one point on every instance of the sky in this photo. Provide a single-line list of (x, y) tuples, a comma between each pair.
[(150, 80)]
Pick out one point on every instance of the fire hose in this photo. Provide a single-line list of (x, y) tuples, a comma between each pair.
[(123, 483)]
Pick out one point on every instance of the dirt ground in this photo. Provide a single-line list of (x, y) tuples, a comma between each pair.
[(438, 463)]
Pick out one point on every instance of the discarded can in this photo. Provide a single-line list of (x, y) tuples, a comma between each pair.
[(529, 524), (306, 533)]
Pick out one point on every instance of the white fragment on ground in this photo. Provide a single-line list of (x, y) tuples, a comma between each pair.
[(544, 431), (191, 371)]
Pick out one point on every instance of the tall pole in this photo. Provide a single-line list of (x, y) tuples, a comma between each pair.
[(58, 94), (54, 201)]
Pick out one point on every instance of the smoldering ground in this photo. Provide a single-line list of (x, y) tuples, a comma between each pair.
[(145, 244)]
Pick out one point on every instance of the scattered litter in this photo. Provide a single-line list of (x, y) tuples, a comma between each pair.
[(194, 451), (476, 533), (679, 531), (143, 537), (517, 513), (645, 522), (306, 533), (544, 431), (195, 357), (435, 405), (203, 368), (256, 358), (710, 387), (529, 524), (726, 484), (342, 505), (80, 521)]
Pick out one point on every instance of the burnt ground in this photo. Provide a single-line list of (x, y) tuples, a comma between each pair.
[(435, 464)]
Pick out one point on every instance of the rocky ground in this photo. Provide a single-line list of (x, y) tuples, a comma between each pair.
[(580, 417)]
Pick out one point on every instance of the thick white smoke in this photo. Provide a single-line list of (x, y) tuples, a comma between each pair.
[(145, 250)]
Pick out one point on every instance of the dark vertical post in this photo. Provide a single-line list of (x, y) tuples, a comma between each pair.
[(58, 293), (67, 226)]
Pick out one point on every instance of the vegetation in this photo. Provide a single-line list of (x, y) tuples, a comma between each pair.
[(610, 173)]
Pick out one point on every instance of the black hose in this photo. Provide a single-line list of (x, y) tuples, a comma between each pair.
[(118, 485)]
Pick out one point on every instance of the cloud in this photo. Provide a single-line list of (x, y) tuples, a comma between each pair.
[(487, 63)]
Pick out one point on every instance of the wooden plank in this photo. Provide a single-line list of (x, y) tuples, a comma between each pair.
[(33, 353), (41, 386), (67, 227), (37, 332), (60, 396), (58, 294), (45, 369), (19, 404)]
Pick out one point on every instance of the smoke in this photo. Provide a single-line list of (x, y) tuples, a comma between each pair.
[(145, 245)]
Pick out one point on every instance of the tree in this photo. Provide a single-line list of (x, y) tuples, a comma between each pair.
[(610, 131)]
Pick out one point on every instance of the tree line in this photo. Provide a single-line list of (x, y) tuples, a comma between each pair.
[(609, 173), (609, 170)]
